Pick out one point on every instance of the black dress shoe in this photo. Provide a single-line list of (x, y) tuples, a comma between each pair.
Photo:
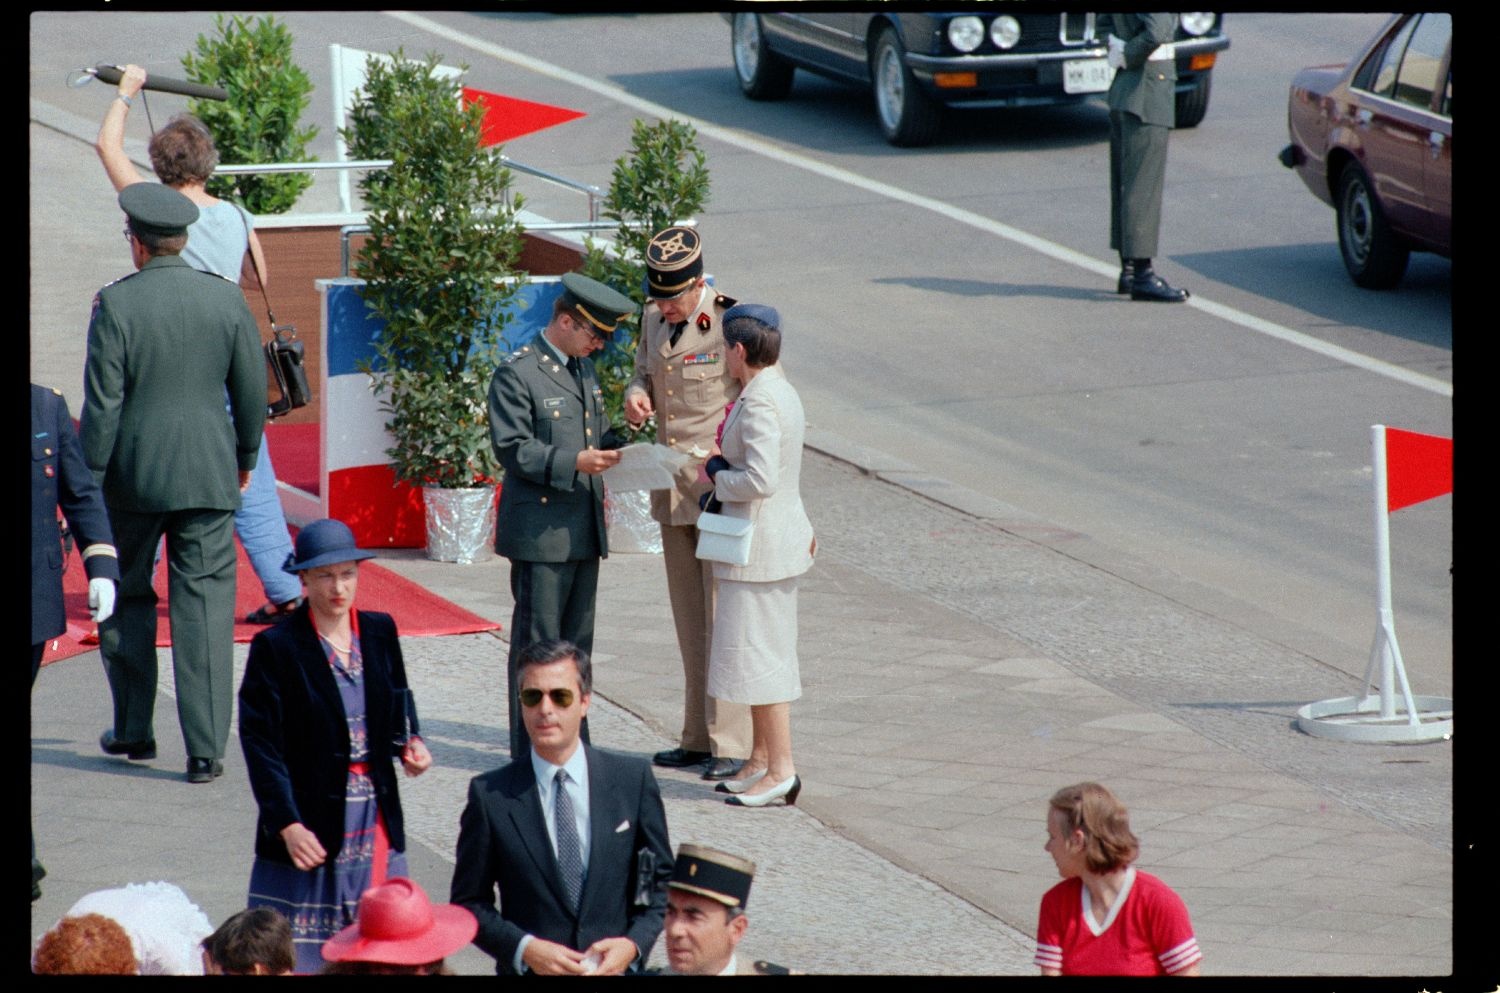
[(1127, 278), (136, 750), (679, 758), (204, 770), (1149, 286), (723, 768)]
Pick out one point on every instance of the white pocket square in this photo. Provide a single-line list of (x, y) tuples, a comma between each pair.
[(624, 826)]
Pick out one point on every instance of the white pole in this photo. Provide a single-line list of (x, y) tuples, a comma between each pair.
[(340, 102)]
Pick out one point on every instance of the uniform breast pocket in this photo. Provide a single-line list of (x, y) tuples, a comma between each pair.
[(695, 387)]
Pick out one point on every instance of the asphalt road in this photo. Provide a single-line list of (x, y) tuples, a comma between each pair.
[(953, 305)]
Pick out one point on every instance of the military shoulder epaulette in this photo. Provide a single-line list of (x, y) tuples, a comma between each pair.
[(771, 969), (723, 301), (122, 279)]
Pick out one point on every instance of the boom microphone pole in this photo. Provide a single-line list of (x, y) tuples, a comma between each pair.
[(165, 84)]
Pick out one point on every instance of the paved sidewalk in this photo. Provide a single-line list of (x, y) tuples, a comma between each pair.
[(961, 660)]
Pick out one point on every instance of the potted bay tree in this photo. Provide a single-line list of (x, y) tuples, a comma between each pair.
[(440, 270)]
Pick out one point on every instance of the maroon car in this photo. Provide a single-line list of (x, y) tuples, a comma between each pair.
[(1374, 139)]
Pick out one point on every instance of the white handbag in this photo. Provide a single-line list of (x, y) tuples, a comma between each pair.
[(725, 539)]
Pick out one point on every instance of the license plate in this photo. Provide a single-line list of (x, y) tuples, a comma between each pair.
[(1087, 76)]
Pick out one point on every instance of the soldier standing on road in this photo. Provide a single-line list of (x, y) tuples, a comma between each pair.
[(1142, 111), (548, 428), (681, 378), (164, 343)]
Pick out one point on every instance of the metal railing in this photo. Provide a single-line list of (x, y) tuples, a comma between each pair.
[(594, 194)]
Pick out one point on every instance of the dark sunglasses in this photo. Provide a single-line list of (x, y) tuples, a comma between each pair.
[(562, 697)]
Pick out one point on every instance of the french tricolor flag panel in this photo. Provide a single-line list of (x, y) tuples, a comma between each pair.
[(357, 483)]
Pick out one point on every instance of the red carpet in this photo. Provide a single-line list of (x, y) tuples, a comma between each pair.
[(416, 610), (294, 453)]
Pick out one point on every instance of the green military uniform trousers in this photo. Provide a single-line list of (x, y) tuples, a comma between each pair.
[(200, 601)]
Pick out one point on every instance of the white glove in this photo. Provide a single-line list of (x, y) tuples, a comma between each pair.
[(1116, 55), (101, 599)]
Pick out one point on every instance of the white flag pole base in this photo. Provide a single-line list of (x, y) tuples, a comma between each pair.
[(1361, 719)]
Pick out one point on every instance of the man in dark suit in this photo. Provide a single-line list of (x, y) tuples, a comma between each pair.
[(1142, 111), (548, 428), (61, 478), (573, 838), (164, 344)]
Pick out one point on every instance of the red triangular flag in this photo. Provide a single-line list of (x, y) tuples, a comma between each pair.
[(1417, 467), (506, 117)]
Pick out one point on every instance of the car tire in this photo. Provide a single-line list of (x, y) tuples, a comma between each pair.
[(1192, 105), (763, 75), (1375, 257), (908, 116)]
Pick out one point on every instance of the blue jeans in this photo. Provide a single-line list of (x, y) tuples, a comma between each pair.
[(262, 529)]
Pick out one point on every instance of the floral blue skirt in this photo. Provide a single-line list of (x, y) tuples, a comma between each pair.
[(322, 902)]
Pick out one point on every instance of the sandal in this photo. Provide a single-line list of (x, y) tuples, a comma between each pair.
[(269, 613)]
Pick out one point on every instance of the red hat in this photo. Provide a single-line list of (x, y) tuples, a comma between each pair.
[(398, 925)]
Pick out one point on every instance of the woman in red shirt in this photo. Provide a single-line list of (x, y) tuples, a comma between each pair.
[(1106, 918)]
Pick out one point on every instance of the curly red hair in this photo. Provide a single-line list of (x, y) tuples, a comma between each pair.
[(87, 945)]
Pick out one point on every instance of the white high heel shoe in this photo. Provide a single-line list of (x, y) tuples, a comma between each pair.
[(740, 785), (788, 788)]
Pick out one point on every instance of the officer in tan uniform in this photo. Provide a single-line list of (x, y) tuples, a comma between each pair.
[(706, 920), (681, 378)]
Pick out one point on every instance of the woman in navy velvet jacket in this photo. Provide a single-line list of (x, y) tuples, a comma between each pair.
[(325, 712)]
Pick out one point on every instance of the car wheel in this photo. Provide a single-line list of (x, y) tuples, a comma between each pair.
[(908, 116), (1374, 256), (763, 75), (1193, 104)]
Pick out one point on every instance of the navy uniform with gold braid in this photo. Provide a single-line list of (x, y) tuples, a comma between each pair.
[(551, 518), (61, 478)]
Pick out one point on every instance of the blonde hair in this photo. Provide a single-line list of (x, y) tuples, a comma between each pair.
[(1109, 843)]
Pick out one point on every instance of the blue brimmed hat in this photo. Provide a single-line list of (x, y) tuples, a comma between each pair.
[(324, 542)]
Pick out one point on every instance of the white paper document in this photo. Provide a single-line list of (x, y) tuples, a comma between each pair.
[(645, 467)]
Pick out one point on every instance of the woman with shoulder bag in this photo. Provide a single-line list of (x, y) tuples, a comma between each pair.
[(756, 474), (220, 241)]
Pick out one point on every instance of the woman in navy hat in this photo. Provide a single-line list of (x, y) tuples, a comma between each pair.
[(325, 712), (756, 475)]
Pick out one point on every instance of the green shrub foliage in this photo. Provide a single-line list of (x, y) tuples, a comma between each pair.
[(252, 60), (440, 264)]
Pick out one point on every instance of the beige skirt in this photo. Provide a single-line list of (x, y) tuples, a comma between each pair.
[(753, 659)]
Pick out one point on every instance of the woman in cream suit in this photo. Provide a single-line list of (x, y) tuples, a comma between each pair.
[(755, 475)]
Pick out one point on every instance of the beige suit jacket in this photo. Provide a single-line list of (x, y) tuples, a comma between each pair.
[(689, 386), (763, 442)]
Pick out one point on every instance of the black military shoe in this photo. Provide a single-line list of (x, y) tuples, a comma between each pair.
[(138, 751), (1149, 286), (1127, 277), (204, 770), (679, 758), (723, 768)]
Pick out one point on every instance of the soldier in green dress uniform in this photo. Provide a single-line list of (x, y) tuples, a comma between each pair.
[(1142, 112), (552, 436), (164, 345)]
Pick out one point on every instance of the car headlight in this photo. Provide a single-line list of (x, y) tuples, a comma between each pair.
[(966, 33), (1197, 23), (1005, 31)]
